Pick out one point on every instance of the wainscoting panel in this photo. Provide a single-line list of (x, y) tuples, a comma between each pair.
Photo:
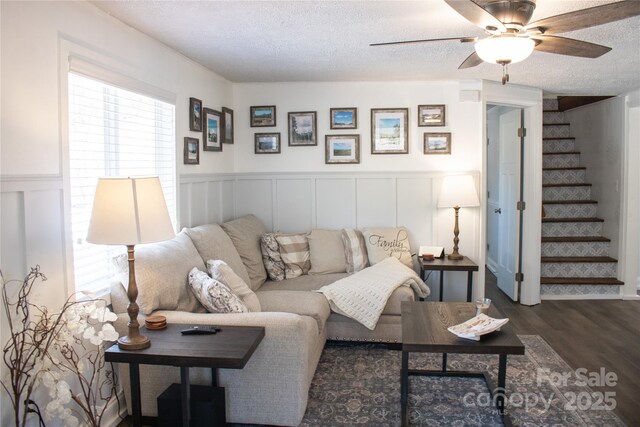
[(206, 199), (335, 203), (32, 233), (294, 199), (255, 196), (376, 203), (415, 209)]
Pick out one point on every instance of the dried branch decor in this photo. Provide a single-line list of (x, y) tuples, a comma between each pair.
[(60, 351)]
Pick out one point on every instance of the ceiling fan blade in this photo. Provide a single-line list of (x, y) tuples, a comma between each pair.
[(475, 14), (586, 18), (471, 61), (571, 47), (462, 40)]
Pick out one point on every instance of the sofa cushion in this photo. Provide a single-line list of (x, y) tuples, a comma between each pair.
[(299, 302), (221, 272), (214, 295), (213, 243), (162, 271), (355, 250), (303, 283), (326, 252), (294, 251), (245, 234), (271, 257), (388, 242)]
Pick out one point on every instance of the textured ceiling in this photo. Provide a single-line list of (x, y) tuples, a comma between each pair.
[(276, 41)]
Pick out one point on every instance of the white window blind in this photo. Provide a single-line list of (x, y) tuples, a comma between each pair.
[(113, 132)]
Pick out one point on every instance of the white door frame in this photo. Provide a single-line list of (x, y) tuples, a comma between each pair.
[(530, 99)]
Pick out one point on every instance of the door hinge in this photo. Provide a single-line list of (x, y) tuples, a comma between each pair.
[(488, 194), (487, 141), (488, 247), (521, 205), (519, 277), (522, 132)]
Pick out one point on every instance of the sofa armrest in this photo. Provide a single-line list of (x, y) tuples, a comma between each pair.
[(275, 381)]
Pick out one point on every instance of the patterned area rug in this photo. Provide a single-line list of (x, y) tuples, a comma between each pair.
[(359, 385)]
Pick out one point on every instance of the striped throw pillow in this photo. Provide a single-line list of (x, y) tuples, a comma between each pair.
[(355, 250), (294, 251)]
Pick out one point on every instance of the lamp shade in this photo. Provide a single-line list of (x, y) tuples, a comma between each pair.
[(458, 190), (129, 211), (505, 48)]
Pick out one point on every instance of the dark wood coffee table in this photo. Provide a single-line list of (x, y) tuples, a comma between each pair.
[(424, 330), (231, 348)]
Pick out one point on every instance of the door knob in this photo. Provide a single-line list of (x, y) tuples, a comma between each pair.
[(499, 210)]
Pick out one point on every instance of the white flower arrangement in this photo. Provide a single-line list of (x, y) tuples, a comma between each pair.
[(62, 352)]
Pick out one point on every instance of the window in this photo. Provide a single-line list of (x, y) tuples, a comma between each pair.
[(113, 132)]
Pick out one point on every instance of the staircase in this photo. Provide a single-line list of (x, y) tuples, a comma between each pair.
[(575, 255)]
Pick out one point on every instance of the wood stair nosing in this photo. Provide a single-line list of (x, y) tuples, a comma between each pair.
[(548, 138), (552, 111), (575, 239), (565, 168), (580, 219), (556, 124), (577, 259), (569, 202), (568, 184), (559, 153), (611, 281)]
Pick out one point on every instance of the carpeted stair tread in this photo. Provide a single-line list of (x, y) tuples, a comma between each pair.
[(580, 281), (569, 202), (579, 184), (572, 220), (558, 137), (556, 124), (568, 168), (577, 259), (574, 239)]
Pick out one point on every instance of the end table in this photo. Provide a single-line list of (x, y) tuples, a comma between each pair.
[(231, 348), (446, 264)]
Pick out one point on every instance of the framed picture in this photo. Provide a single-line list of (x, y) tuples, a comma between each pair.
[(437, 143), (342, 149), (211, 137), (263, 116), (267, 143), (344, 118), (191, 151), (195, 115), (302, 128), (227, 125), (431, 115), (389, 130)]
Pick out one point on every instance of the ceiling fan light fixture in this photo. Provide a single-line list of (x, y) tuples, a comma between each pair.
[(505, 48)]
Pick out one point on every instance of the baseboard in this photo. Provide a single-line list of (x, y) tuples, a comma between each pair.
[(579, 297), (114, 414), (491, 265), (631, 297)]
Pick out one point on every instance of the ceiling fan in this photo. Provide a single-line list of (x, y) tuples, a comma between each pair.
[(512, 38)]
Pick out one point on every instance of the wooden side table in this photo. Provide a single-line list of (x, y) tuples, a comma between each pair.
[(446, 264), (231, 348)]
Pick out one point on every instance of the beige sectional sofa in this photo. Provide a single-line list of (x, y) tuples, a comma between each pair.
[(273, 387)]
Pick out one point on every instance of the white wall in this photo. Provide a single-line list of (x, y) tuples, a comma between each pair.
[(463, 120), (35, 37), (600, 135)]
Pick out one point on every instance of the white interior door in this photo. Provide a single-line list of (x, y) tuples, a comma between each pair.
[(509, 183)]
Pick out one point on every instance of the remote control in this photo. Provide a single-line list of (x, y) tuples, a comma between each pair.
[(200, 330)]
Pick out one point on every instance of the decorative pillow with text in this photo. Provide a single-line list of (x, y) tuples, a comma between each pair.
[(388, 242)]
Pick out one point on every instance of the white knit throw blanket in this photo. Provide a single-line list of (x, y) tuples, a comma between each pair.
[(363, 295)]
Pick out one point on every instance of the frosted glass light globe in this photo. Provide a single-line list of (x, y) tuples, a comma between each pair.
[(504, 48)]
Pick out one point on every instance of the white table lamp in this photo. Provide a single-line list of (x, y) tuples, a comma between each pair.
[(458, 191), (129, 211)]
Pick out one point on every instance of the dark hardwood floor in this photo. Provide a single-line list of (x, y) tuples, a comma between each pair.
[(588, 334)]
